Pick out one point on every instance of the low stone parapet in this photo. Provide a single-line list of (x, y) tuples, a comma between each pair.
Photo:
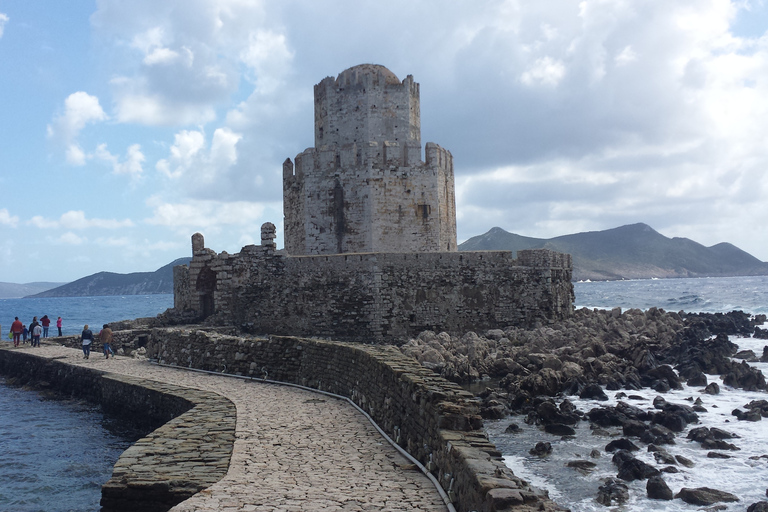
[(436, 421)]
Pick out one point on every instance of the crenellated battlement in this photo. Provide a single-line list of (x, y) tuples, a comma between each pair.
[(389, 156)]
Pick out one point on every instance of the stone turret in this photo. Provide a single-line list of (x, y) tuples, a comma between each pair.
[(364, 186)]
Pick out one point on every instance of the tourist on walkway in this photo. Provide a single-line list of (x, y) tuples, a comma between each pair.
[(46, 323), (58, 325), (32, 326), (87, 338), (36, 332), (24, 334), (17, 328), (105, 336)]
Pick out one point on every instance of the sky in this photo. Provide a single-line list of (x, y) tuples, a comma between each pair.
[(125, 127)]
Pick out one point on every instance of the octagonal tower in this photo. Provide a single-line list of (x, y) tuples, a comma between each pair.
[(364, 186)]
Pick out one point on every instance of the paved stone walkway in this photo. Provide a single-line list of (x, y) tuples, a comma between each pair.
[(295, 450)]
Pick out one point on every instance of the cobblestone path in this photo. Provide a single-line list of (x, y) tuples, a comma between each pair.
[(295, 451)]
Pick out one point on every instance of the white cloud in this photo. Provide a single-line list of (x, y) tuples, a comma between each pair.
[(3, 20), (187, 145), (76, 219), (131, 165), (200, 169), (545, 71), (75, 155), (204, 214), (626, 56), (80, 109), (6, 219), (160, 56), (70, 238)]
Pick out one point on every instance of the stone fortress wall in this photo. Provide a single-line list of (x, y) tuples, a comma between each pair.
[(374, 297)]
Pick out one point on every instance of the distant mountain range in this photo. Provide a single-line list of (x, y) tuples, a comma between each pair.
[(635, 251), (15, 290), (110, 283)]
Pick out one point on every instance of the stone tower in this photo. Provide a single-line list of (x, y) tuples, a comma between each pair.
[(364, 186)]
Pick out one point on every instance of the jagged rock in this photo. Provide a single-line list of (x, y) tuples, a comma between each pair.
[(583, 466), (559, 429), (760, 506), (606, 417), (621, 444), (716, 444), (549, 413), (632, 412), (542, 448), (684, 461), (513, 428), (751, 415), (704, 496), (663, 457), (742, 375), (635, 469), (658, 489), (593, 392), (760, 405), (717, 455), (612, 492), (747, 355), (698, 379), (713, 388), (634, 428)]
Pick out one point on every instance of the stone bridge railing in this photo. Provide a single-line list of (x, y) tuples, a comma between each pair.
[(436, 421)]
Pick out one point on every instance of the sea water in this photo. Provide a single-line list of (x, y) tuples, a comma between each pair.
[(56, 454), (745, 474)]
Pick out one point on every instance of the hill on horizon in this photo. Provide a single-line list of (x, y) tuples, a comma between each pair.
[(634, 251), (111, 283), (16, 290)]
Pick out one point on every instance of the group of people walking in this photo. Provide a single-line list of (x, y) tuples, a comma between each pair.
[(20, 332), (105, 337)]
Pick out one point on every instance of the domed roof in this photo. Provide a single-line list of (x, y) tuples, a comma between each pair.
[(369, 69)]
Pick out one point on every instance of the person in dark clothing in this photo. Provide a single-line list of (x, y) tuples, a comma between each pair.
[(32, 327), (46, 323), (86, 338)]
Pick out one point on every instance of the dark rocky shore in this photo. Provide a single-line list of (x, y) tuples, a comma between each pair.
[(531, 373)]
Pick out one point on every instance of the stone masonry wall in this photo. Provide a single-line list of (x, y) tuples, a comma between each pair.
[(382, 297), (434, 420), (371, 197), (154, 474), (364, 187)]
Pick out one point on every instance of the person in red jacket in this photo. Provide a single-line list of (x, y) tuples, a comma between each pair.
[(46, 322), (16, 328)]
